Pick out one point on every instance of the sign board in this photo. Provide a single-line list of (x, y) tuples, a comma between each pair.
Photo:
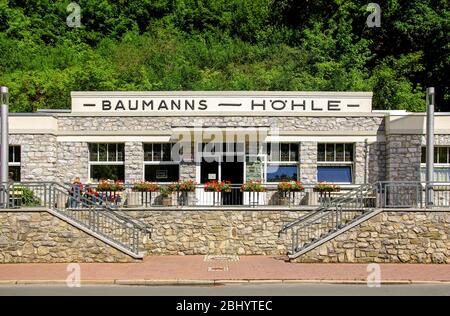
[(264, 103)]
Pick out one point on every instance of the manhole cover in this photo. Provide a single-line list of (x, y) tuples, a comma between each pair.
[(220, 258), (217, 269)]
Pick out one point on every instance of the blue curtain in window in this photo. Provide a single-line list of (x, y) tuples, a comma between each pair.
[(334, 174)]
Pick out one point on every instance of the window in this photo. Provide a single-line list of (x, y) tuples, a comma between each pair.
[(161, 163), (335, 162), (276, 173), (282, 164), (162, 173), (285, 152), (106, 161), (14, 162), (441, 163)]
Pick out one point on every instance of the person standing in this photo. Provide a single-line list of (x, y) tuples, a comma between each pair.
[(75, 193)]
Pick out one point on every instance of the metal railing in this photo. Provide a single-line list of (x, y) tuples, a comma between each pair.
[(332, 216), (127, 198), (86, 211), (339, 214)]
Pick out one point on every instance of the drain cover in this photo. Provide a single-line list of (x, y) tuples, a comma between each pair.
[(217, 269), (220, 258)]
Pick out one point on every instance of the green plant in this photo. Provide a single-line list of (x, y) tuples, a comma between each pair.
[(326, 187), (216, 186), (145, 186), (253, 186), (28, 197), (290, 186), (183, 186), (110, 186), (165, 191)]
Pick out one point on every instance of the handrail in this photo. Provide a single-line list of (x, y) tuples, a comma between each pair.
[(347, 197), (98, 219)]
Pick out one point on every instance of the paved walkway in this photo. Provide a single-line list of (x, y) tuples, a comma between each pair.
[(195, 270)]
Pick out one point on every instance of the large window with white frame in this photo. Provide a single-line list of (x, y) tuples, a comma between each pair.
[(335, 162), (282, 162), (107, 161), (14, 162), (160, 163), (441, 164)]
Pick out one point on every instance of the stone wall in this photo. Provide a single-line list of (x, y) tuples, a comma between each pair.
[(72, 161), (38, 156), (409, 237), (403, 155), (361, 163), (284, 123), (308, 162), (377, 162), (42, 237), (390, 237), (134, 161)]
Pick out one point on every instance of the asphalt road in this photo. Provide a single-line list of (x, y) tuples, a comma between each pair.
[(231, 290)]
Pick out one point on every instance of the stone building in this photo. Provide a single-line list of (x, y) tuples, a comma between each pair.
[(236, 136), (315, 136)]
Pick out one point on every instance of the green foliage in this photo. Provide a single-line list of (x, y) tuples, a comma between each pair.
[(225, 45)]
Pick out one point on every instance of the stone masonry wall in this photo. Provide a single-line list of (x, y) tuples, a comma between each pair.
[(38, 156), (390, 237), (308, 162), (403, 157), (284, 123), (134, 161), (72, 161), (409, 237), (377, 162), (42, 237), (360, 171)]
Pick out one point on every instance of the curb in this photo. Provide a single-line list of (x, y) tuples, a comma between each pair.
[(217, 282)]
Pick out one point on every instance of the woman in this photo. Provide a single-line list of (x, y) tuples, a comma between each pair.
[(75, 193)]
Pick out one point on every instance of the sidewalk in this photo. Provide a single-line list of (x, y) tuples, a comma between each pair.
[(195, 270)]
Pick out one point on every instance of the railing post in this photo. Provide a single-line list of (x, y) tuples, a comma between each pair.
[(430, 144)]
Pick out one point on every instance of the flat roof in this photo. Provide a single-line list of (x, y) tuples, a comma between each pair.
[(218, 93)]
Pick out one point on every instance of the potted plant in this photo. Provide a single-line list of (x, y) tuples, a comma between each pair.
[(253, 190), (218, 190), (217, 186), (110, 190), (144, 190), (326, 187), (183, 187), (165, 192), (286, 187)]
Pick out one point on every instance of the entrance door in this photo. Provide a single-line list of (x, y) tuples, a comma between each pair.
[(234, 172)]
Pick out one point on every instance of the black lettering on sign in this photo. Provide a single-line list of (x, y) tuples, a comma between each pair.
[(106, 105), (146, 104), (120, 106), (281, 104), (133, 106), (353, 105), (163, 106), (313, 108), (333, 105), (202, 105), (258, 104), (175, 104), (189, 105), (302, 105)]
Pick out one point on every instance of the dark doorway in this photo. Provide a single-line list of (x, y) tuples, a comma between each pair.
[(209, 171), (233, 172)]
